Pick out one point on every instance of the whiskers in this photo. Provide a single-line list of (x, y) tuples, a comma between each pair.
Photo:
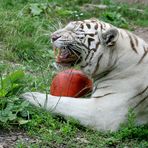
[(76, 51), (54, 26)]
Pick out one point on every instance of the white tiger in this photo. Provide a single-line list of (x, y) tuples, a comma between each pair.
[(116, 60)]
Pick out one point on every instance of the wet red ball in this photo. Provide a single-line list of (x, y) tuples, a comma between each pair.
[(72, 83)]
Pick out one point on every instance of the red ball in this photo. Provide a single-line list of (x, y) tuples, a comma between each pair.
[(72, 83)]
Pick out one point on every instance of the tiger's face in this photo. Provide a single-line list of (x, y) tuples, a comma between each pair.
[(80, 41)]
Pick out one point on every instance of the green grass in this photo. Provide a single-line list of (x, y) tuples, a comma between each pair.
[(25, 28), (54, 131)]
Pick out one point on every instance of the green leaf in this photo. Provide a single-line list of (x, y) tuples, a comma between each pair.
[(7, 114), (21, 107), (3, 118), (11, 116), (12, 78), (24, 104), (22, 121), (63, 12), (11, 83), (3, 93), (44, 6), (35, 10)]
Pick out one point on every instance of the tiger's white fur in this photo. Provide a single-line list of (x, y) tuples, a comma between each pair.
[(117, 61)]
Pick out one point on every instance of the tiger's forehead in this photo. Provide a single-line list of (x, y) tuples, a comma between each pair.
[(91, 21), (86, 24)]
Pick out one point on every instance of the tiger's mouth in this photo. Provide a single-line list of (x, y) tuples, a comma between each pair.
[(65, 56)]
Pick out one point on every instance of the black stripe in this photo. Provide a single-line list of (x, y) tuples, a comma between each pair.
[(96, 26), (101, 26), (103, 87), (91, 34), (82, 26), (97, 45), (85, 46), (144, 55), (83, 66), (104, 95), (139, 94), (121, 35), (144, 48), (105, 73), (104, 25), (132, 43), (93, 21), (89, 41), (94, 49), (88, 26), (136, 40), (85, 51), (78, 45), (87, 55), (140, 102), (91, 57), (97, 66)]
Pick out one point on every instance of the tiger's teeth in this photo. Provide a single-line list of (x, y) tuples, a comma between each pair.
[(54, 49), (59, 52)]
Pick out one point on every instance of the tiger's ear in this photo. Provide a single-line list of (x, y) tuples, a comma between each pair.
[(110, 36)]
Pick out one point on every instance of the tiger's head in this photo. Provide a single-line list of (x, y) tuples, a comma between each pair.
[(84, 43)]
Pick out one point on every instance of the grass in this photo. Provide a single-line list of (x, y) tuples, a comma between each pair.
[(25, 28)]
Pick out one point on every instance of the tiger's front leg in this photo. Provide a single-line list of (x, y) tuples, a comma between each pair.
[(103, 114)]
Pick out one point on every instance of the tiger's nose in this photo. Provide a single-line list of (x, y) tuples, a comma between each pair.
[(55, 37)]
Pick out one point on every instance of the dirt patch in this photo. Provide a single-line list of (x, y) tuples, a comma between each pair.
[(133, 1), (142, 32), (10, 139)]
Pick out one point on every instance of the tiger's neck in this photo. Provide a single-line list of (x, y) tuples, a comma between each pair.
[(127, 53)]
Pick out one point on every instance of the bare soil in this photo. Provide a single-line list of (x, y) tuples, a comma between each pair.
[(142, 32), (133, 1), (8, 139)]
